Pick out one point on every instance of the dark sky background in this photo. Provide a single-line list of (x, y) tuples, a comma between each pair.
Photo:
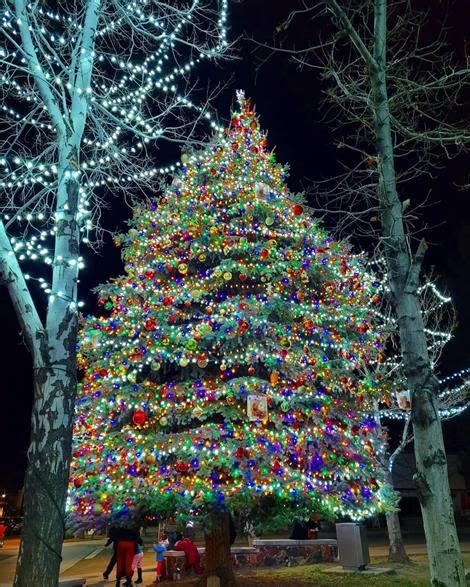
[(286, 100)]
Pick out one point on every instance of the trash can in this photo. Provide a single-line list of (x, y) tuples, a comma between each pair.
[(353, 550)]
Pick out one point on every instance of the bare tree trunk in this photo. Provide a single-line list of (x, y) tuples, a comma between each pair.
[(218, 557), (47, 474), (396, 551), (432, 482)]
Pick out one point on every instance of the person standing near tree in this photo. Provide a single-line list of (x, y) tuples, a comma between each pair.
[(113, 534), (313, 526), (193, 559), (138, 557), (125, 551), (159, 549)]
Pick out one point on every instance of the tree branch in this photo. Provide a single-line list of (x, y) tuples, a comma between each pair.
[(35, 67), (12, 277), (352, 33), (412, 280)]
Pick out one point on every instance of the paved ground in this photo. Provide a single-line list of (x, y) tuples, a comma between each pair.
[(72, 553)]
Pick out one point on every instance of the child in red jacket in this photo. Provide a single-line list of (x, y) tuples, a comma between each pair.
[(193, 559)]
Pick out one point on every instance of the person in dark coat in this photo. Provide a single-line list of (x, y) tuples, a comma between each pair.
[(299, 531), (173, 538), (305, 529), (113, 534)]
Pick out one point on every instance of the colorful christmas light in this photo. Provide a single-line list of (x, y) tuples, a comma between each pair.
[(233, 296)]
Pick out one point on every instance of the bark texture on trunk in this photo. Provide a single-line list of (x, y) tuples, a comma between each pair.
[(445, 559), (46, 478), (218, 557), (396, 551)]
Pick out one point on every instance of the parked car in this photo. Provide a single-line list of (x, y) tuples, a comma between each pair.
[(15, 525)]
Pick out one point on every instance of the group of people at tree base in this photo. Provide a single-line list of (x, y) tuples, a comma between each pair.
[(128, 554)]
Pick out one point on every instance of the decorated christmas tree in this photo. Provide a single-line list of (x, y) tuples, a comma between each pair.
[(234, 362)]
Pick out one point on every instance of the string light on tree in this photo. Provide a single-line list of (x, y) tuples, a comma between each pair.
[(233, 357)]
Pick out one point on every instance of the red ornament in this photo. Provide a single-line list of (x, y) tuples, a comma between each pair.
[(241, 452), (167, 301), (150, 324), (149, 274), (139, 418), (363, 328), (243, 277), (102, 372), (136, 355), (264, 253), (78, 482), (243, 326), (297, 209)]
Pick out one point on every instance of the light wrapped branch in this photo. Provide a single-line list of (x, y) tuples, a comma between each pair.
[(126, 67)]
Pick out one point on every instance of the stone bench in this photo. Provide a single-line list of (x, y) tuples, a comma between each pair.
[(281, 552), (72, 582), (242, 556), (286, 552)]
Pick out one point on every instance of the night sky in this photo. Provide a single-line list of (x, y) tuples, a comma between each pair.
[(287, 101)]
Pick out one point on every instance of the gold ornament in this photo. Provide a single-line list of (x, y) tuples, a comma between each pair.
[(150, 459), (197, 412), (285, 342)]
